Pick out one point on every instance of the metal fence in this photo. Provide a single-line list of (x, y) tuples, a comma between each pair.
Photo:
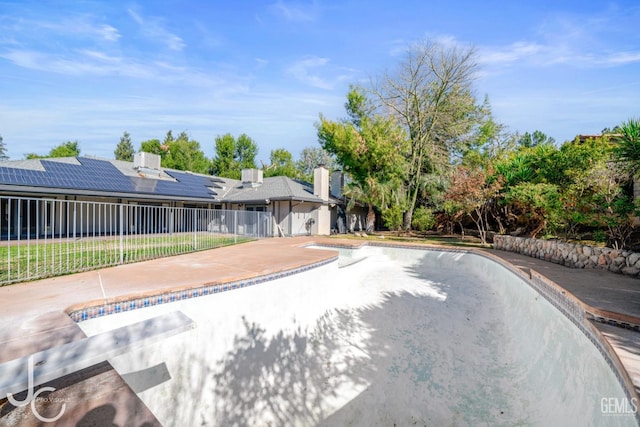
[(48, 237)]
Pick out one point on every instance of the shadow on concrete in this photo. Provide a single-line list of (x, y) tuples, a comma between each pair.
[(104, 416), (101, 416)]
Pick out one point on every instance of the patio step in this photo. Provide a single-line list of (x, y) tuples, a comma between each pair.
[(27, 372)]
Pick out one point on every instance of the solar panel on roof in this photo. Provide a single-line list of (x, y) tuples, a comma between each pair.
[(100, 175)]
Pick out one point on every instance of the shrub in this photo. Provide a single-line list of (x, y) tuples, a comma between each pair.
[(392, 218), (599, 236), (423, 219)]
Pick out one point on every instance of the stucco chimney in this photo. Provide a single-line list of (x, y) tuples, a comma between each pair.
[(321, 183), (321, 189)]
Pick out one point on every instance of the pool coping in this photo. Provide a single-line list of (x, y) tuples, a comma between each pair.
[(123, 303)]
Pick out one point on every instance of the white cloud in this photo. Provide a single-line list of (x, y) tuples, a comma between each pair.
[(108, 32), (85, 63), (319, 73), (621, 58), (207, 38), (261, 62), (154, 30), (101, 56), (306, 71), (535, 54), (514, 52), (448, 41), (296, 12), (16, 29)]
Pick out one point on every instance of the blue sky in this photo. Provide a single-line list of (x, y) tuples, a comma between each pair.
[(88, 70)]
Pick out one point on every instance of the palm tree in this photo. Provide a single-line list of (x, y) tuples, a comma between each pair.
[(374, 193), (357, 192), (628, 148)]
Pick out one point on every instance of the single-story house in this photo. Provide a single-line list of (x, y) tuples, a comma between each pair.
[(296, 207)]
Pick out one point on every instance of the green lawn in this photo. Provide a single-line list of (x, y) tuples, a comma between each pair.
[(31, 259)]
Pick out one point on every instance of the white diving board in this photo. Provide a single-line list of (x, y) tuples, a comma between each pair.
[(64, 359)]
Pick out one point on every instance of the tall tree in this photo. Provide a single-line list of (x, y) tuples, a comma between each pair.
[(223, 163), (124, 150), (537, 138), (155, 147), (489, 141), (370, 147), (231, 155), (311, 158), (66, 149), (3, 150), (183, 153), (282, 164), (168, 138), (246, 152), (430, 94)]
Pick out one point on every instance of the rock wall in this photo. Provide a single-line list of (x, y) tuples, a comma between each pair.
[(572, 254)]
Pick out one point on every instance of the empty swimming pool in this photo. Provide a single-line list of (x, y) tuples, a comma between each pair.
[(384, 336)]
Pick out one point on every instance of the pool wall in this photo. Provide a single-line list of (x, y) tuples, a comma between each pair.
[(571, 307), (570, 362)]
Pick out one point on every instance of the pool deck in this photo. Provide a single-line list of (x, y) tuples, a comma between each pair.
[(34, 314)]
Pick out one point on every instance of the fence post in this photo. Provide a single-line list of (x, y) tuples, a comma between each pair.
[(74, 219), (194, 229), (121, 234), (235, 226)]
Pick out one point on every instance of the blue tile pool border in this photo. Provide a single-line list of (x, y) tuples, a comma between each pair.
[(168, 296)]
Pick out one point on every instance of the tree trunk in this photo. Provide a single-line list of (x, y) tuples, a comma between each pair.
[(371, 219), (538, 229), (407, 217), (413, 193), (480, 224)]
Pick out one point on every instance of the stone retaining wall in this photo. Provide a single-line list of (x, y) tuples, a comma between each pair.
[(572, 254)]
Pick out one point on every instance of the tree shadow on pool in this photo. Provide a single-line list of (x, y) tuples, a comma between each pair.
[(288, 377), (355, 365)]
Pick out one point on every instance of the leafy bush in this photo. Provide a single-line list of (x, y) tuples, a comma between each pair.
[(392, 218), (599, 236), (423, 219), (537, 205)]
